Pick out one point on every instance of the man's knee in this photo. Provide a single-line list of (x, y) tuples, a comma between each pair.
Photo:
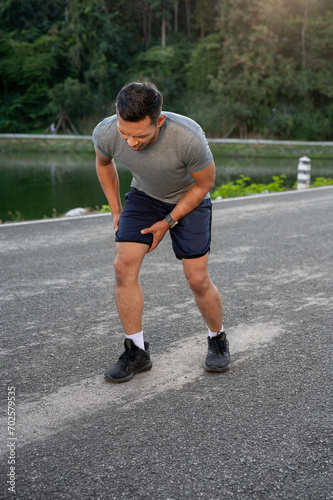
[(124, 270), (119, 266), (127, 264), (198, 282)]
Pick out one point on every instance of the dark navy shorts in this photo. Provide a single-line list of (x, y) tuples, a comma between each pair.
[(190, 238)]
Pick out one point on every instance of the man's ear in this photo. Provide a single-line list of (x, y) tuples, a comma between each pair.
[(161, 120)]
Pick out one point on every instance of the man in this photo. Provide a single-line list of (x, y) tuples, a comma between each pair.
[(173, 173)]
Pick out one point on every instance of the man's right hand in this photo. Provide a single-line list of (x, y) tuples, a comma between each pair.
[(115, 218)]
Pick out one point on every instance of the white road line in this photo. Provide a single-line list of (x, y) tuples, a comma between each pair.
[(171, 371)]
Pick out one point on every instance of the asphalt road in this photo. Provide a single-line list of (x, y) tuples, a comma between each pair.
[(261, 431)]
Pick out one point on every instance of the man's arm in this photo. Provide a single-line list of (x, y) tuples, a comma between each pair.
[(203, 184), (108, 178)]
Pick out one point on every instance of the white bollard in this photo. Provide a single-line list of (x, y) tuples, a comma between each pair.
[(304, 172)]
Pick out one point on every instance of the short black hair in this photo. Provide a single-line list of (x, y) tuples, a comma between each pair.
[(137, 100)]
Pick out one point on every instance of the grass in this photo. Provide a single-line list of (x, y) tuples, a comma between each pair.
[(47, 145), (269, 151), (218, 150), (244, 187)]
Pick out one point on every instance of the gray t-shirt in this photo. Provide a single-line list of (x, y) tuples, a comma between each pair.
[(161, 170)]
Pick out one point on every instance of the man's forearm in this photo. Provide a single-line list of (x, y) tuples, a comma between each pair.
[(109, 181), (203, 183), (189, 201)]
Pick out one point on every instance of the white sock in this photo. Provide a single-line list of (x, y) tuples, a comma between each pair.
[(137, 339), (214, 334)]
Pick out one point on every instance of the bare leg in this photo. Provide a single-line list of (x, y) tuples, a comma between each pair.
[(207, 296), (128, 292)]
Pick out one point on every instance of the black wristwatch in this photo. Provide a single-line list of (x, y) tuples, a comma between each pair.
[(172, 223)]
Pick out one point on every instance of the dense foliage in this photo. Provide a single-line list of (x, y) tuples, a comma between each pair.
[(241, 67)]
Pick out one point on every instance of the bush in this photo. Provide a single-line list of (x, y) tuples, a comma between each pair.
[(242, 187), (322, 181)]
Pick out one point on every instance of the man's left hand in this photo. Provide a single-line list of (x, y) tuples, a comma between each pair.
[(158, 230)]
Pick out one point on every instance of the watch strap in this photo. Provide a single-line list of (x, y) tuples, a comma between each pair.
[(172, 223)]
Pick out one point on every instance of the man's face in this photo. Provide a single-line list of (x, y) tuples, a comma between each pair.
[(139, 135)]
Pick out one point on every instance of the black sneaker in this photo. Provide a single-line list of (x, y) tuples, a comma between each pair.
[(132, 361), (218, 357)]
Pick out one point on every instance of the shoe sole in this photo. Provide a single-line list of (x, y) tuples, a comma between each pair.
[(144, 368), (216, 368)]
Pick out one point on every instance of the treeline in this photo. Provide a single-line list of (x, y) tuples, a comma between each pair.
[(240, 68)]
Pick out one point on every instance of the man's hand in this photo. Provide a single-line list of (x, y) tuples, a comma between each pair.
[(158, 230), (115, 218)]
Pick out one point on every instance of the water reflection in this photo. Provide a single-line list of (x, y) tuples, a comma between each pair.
[(37, 184)]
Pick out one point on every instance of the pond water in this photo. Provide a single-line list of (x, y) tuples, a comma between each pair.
[(45, 184)]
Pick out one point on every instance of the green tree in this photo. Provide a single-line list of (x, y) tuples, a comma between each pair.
[(84, 44), (204, 63), (205, 16), (30, 18), (26, 74), (273, 75), (166, 67), (305, 45), (246, 82), (241, 67), (70, 96)]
